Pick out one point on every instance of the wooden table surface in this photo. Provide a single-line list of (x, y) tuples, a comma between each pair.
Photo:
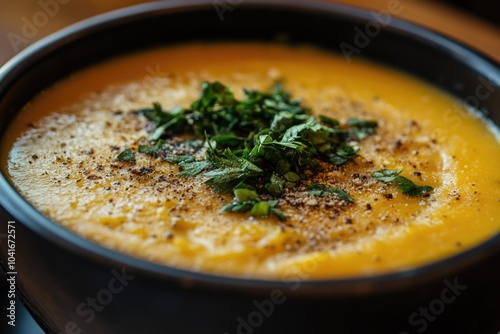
[(15, 16)]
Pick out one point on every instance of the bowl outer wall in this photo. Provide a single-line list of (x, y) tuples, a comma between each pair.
[(50, 254)]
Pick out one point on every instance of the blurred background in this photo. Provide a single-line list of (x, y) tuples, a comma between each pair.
[(474, 22), (22, 22)]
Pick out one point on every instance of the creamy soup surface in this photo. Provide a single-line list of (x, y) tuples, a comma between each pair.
[(61, 152)]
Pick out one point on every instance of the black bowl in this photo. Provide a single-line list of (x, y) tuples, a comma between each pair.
[(72, 285)]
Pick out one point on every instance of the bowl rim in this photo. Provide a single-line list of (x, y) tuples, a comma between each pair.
[(22, 211)]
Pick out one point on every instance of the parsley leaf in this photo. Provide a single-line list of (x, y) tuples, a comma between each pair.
[(126, 155), (321, 190), (246, 199), (407, 186), (180, 158), (152, 149), (193, 168), (328, 121), (362, 128)]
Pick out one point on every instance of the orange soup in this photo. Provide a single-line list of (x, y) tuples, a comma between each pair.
[(61, 154)]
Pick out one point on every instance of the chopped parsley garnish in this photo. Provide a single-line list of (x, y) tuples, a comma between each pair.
[(247, 199), (362, 127), (152, 149), (260, 145), (407, 186)]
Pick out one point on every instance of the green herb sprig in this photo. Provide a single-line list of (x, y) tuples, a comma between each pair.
[(247, 199), (265, 142), (126, 155), (407, 186)]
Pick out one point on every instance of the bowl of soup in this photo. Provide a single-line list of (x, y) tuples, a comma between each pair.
[(194, 168)]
